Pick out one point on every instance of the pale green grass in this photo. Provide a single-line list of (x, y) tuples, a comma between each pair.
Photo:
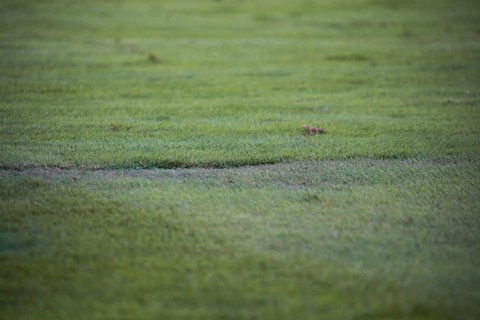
[(359, 239), (232, 83)]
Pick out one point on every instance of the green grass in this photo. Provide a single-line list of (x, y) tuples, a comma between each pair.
[(232, 83), (358, 239), (153, 163)]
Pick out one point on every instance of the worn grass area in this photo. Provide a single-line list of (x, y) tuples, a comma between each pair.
[(359, 239), (224, 83)]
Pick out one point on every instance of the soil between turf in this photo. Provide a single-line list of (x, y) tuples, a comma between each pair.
[(297, 166)]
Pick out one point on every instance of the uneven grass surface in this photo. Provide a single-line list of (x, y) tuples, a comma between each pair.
[(358, 239), (224, 83), (128, 130)]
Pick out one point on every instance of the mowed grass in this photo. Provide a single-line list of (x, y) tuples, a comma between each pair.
[(117, 84), (128, 131), (358, 239)]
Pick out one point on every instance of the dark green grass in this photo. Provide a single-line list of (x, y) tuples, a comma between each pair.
[(359, 239), (207, 83)]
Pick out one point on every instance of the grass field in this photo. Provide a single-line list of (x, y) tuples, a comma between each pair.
[(154, 163)]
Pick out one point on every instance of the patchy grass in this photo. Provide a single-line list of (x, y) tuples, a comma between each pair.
[(352, 239)]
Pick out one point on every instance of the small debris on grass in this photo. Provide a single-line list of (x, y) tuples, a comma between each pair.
[(118, 127), (153, 58), (313, 130)]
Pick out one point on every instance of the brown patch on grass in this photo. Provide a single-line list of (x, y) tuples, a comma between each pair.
[(118, 127), (154, 59), (313, 130)]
